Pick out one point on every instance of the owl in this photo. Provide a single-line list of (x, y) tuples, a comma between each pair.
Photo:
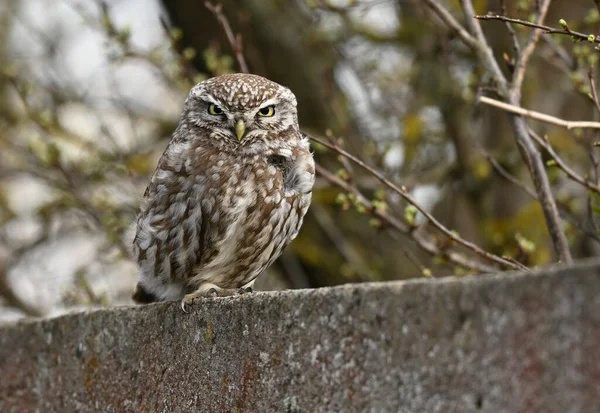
[(229, 193)]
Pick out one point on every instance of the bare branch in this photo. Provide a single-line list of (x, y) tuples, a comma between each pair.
[(529, 152), (345, 248), (534, 162), (473, 38), (506, 175), (563, 210), (561, 53), (511, 30), (482, 48), (235, 41), (523, 57), (422, 240), (593, 91), (590, 209), (188, 68), (444, 15), (518, 110), (408, 198), (546, 29), (544, 143)]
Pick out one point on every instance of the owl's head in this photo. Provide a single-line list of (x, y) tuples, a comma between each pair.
[(242, 109)]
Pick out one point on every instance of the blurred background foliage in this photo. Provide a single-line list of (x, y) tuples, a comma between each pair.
[(91, 91)]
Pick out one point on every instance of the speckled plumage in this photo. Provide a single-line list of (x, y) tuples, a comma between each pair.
[(218, 209)]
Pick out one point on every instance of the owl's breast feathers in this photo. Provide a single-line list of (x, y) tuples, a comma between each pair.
[(210, 216)]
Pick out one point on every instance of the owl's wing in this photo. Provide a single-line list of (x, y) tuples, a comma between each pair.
[(170, 235)]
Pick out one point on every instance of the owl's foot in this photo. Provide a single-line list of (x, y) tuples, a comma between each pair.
[(245, 290), (206, 290)]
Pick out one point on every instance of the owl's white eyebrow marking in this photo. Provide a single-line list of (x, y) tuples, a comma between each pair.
[(210, 99), (267, 103)]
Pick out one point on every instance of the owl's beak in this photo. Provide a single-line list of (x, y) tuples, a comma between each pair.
[(240, 129)]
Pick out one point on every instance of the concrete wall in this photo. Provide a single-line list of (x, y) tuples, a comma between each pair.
[(507, 343)]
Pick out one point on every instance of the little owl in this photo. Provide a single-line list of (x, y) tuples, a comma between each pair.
[(229, 193)]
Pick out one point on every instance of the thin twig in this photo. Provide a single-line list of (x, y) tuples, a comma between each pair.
[(443, 14), (70, 185), (563, 209), (472, 39), (482, 49), (594, 93), (507, 175), (538, 115), (511, 30), (422, 240), (408, 198), (537, 170), (544, 143), (345, 163), (345, 248), (590, 211), (560, 52), (526, 52), (546, 29), (527, 148), (106, 26), (511, 259), (234, 41), (189, 70), (410, 255)]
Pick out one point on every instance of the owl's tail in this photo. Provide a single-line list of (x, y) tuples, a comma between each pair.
[(142, 296)]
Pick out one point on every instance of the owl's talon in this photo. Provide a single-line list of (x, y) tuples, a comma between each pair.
[(247, 290), (186, 301)]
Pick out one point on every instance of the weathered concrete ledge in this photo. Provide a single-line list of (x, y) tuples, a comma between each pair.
[(506, 343)]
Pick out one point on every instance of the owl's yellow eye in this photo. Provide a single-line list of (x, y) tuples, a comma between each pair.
[(214, 109), (266, 112)]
